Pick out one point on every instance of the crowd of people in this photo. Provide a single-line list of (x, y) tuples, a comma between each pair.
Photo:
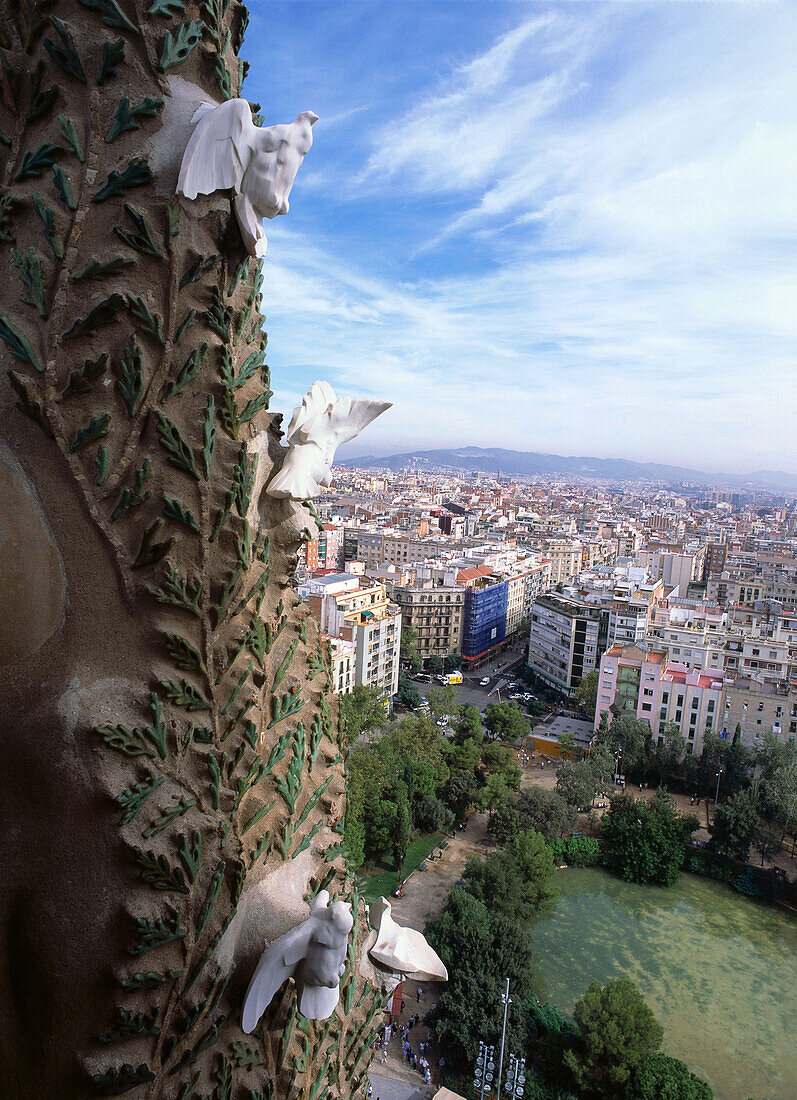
[(416, 1050)]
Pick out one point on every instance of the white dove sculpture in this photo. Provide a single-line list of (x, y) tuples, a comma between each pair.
[(403, 950), (313, 953), (317, 429), (260, 164)]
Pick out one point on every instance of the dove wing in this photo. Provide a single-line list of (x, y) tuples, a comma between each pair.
[(348, 418), (219, 149), (276, 965)]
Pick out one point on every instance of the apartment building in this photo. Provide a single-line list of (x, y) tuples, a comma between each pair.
[(757, 708), (362, 614), (484, 615), (566, 640), (436, 613)]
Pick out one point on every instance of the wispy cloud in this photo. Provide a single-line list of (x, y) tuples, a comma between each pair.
[(576, 234)]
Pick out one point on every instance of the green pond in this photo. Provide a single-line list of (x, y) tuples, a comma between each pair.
[(718, 969)]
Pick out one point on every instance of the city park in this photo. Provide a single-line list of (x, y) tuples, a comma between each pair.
[(679, 906)]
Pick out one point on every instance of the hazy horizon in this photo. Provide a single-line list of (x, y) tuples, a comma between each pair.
[(559, 227)]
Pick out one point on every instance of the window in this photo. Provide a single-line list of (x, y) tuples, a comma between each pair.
[(695, 704), (680, 700), (647, 706), (647, 691), (760, 707)]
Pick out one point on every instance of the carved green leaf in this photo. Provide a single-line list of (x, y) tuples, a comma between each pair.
[(149, 979), (132, 497), (31, 409), (253, 407), (188, 372), (112, 14), (29, 267), (285, 664), (70, 135), (166, 8), (172, 222), (183, 694), (198, 268), (178, 452), (219, 316), (8, 205), (157, 933), (106, 313), (128, 1024), (47, 215), (171, 813), (151, 323), (133, 798), (241, 272), (184, 325), (113, 54), (41, 101), (141, 240), (34, 19), (115, 1081), (65, 53), (104, 269), (214, 889), (157, 872), (63, 187), (130, 381), (249, 368), (151, 551), (126, 115), (190, 853), (130, 742), (184, 655), (179, 46), (208, 436), (33, 164), (179, 591), (83, 383), (173, 509), (137, 174), (101, 460), (96, 429)]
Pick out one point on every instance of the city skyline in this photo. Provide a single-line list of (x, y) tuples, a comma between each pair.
[(567, 226)]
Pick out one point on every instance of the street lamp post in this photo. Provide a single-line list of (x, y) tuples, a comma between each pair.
[(506, 1002), (618, 756), (717, 793), (515, 1078)]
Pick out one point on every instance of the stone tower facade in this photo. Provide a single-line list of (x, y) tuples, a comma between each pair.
[(172, 783)]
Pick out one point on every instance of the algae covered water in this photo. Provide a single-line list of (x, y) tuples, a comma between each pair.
[(718, 969)]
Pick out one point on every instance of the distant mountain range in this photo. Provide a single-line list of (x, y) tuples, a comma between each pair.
[(489, 460)]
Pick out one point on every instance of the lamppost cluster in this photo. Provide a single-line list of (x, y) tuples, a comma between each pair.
[(484, 1078)]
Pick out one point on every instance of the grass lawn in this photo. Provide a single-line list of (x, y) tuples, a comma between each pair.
[(384, 880)]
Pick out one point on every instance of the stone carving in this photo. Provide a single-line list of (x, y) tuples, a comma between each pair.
[(313, 953), (317, 429), (403, 951), (226, 149)]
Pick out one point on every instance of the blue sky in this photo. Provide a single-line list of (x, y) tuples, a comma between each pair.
[(562, 227)]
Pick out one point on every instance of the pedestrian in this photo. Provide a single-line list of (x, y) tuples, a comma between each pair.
[(419, 994), (402, 1004), (692, 800), (384, 1053), (441, 1064)]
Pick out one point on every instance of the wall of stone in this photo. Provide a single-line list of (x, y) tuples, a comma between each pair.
[(171, 783)]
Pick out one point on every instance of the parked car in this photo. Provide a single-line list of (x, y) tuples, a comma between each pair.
[(484, 681)]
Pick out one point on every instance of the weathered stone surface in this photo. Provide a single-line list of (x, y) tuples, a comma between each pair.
[(164, 752)]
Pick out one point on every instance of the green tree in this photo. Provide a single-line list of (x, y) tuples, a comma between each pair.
[(632, 736), (766, 843), (575, 783), (534, 860), (567, 744), (480, 947), (468, 725), (601, 762), (442, 701), (408, 692), (735, 824), (617, 1031), (363, 709), (645, 840), (500, 760), (660, 1077), (401, 834), (434, 664), (408, 648), (459, 792), (546, 812), (587, 692), (778, 763), (672, 751), (506, 721)]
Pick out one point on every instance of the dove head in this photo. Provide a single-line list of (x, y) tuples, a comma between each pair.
[(307, 116)]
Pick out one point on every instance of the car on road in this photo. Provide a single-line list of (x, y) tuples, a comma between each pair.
[(484, 681)]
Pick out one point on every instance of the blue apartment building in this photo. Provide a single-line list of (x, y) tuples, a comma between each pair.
[(484, 620)]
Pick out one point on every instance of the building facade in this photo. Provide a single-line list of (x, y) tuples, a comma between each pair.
[(436, 614)]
